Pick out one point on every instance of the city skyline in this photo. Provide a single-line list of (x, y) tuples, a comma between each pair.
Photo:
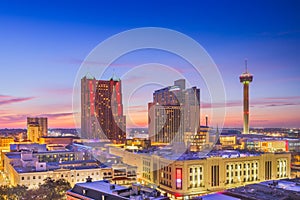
[(43, 46)]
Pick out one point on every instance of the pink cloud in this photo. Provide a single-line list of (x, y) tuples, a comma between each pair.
[(260, 102), (15, 100), (4, 96), (55, 91), (56, 115)]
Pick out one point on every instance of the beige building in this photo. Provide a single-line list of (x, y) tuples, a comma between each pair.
[(265, 145), (228, 140), (41, 121), (189, 175), (34, 132), (26, 169), (4, 147), (197, 141)]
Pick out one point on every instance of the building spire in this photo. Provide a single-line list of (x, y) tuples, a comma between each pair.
[(88, 75), (114, 77), (246, 65)]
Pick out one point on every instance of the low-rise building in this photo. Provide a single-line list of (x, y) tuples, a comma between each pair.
[(197, 141), (279, 190), (192, 174), (137, 143), (99, 190), (30, 169)]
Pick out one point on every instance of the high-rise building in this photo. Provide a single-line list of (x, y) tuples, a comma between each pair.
[(174, 110), (102, 109), (89, 123), (42, 122), (246, 78)]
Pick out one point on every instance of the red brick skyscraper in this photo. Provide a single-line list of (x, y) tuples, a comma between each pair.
[(102, 109)]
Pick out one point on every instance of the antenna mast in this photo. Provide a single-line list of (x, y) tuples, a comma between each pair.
[(246, 65)]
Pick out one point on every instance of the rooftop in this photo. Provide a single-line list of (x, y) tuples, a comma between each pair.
[(216, 196), (284, 184), (69, 165), (96, 189), (168, 153), (279, 190)]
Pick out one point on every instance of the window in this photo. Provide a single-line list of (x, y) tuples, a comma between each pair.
[(33, 177), (22, 178)]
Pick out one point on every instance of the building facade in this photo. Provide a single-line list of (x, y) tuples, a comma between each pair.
[(34, 132), (42, 122), (190, 176), (4, 148), (197, 141), (173, 111), (26, 168), (102, 110)]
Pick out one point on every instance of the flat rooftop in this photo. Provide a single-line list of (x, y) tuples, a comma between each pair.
[(267, 190), (97, 188), (284, 184), (69, 165), (216, 196), (104, 186), (168, 153)]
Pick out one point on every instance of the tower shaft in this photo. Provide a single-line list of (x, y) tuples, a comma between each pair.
[(246, 78), (246, 108)]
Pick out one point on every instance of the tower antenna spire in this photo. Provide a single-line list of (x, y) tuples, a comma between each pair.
[(246, 65)]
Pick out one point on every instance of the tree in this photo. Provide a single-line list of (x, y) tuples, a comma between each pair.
[(3, 192), (53, 190), (49, 190), (12, 193)]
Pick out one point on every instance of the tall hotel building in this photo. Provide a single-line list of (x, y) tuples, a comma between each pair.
[(102, 109), (174, 111)]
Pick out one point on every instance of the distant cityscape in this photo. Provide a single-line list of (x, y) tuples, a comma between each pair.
[(150, 100), (174, 158)]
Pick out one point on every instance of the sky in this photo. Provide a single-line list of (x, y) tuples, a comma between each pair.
[(42, 45)]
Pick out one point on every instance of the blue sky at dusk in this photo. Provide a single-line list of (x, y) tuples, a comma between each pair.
[(43, 44)]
